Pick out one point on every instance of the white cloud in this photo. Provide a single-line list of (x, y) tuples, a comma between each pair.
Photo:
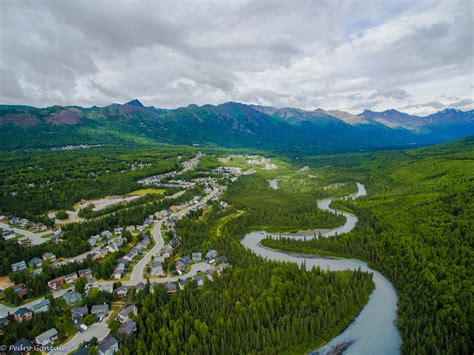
[(339, 55)]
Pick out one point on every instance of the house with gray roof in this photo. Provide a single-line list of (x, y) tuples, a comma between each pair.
[(128, 328), (19, 266), (35, 262), (108, 346), (41, 306), (47, 338), (100, 311), (124, 314)]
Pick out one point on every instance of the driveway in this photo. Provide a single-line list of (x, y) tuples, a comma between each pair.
[(98, 330)]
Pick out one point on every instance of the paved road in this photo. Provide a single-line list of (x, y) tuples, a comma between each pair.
[(137, 272), (98, 330), (137, 276), (35, 237), (5, 310)]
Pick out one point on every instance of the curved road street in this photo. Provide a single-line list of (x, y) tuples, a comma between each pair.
[(137, 272), (36, 238)]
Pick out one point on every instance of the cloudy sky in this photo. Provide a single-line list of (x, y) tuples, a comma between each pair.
[(415, 56)]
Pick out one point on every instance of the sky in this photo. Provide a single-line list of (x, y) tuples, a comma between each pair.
[(414, 56)]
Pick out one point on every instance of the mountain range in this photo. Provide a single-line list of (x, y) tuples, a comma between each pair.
[(230, 125)]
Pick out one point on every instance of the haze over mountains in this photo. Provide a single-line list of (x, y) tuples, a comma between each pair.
[(232, 125)]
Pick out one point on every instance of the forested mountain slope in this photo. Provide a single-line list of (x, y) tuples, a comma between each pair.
[(232, 125)]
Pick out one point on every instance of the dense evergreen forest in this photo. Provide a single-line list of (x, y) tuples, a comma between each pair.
[(33, 183), (417, 227), (256, 306)]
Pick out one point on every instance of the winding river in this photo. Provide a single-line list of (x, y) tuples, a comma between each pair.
[(373, 331)]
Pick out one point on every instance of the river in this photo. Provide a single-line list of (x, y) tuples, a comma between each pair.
[(373, 331)]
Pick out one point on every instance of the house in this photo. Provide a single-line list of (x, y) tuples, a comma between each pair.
[(140, 286), (108, 346), (40, 227), (106, 234), (174, 208), (23, 347), (85, 274), (211, 254), (170, 287), (35, 262), (186, 260), (124, 314), (70, 278), (118, 272), (199, 280), (121, 291), (156, 269), (22, 314), (179, 266), (117, 242), (121, 261), (57, 282), (197, 257), (49, 257), (111, 248), (26, 241), (41, 306), (22, 293), (93, 240), (128, 328), (130, 255), (175, 242), (99, 254), (47, 338), (79, 312), (100, 311), (140, 247), (58, 233), (72, 297), (8, 234), (223, 259), (19, 266)]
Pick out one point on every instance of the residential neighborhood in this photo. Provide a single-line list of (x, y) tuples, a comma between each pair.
[(147, 253)]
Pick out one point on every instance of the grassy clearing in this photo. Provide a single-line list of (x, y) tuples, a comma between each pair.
[(143, 192)]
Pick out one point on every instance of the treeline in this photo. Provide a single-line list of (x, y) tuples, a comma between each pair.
[(33, 183), (11, 253), (88, 211), (126, 217), (256, 306), (417, 228), (278, 210)]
